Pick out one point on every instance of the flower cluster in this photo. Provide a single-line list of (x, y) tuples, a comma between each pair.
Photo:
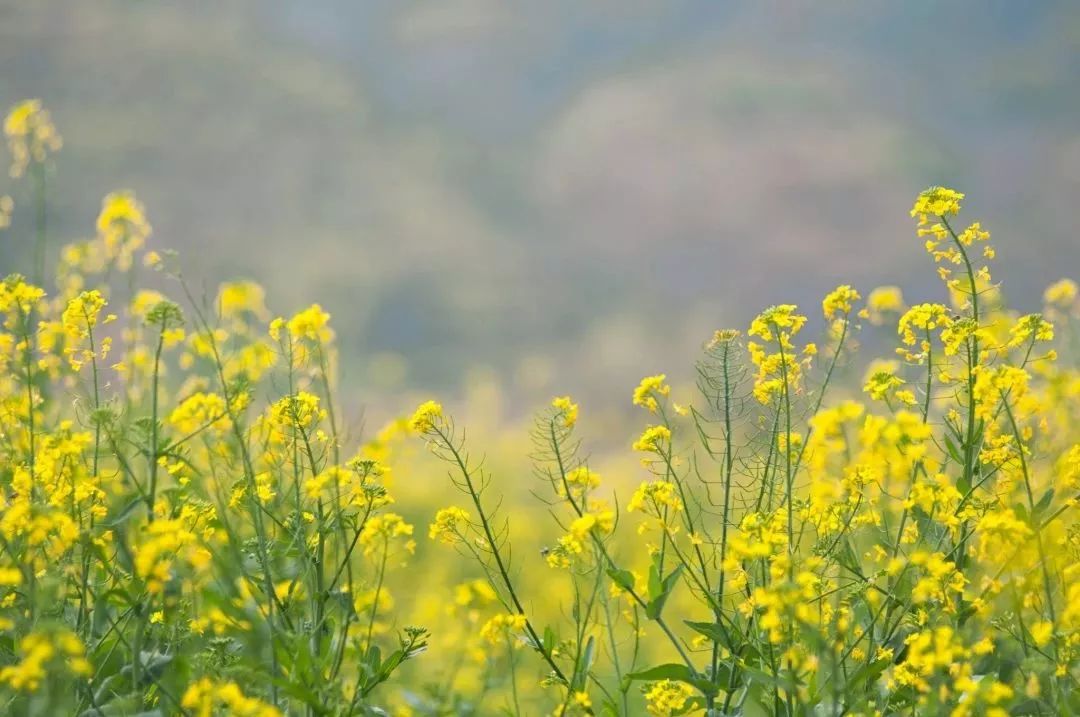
[(189, 524)]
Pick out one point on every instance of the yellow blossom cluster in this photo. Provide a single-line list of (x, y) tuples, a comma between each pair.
[(190, 523)]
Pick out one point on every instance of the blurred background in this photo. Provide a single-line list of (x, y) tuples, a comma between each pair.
[(554, 196)]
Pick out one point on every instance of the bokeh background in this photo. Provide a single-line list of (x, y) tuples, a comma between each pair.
[(555, 196)]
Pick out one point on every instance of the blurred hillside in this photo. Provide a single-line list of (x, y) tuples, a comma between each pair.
[(567, 195)]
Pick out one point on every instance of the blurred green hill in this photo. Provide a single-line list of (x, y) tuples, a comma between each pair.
[(561, 195)]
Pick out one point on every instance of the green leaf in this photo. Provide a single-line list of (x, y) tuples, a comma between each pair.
[(764, 678), (712, 630), (693, 704), (659, 595), (623, 578), (609, 709), (963, 484), (672, 578), (549, 638), (655, 583), (754, 704), (674, 671), (660, 591), (866, 674), (391, 663), (126, 511), (373, 658), (967, 611), (125, 706), (292, 688), (952, 450), (589, 656), (123, 553), (669, 671), (1021, 510), (1044, 503)]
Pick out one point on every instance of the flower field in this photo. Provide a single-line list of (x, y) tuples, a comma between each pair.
[(190, 524)]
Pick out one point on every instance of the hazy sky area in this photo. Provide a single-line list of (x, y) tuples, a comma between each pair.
[(571, 194)]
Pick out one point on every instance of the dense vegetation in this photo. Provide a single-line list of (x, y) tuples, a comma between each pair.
[(188, 525)]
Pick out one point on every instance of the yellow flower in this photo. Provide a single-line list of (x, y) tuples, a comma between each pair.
[(449, 524), (242, 297), (163, 542), (924, 318), (654, 495), (882, 301), (312, 324), (652, 439), (647, 391), (79, 318), (839, 302), (30, 135), (275, 328), (1061, 294), (1027, 329), (566, 409), (380, 529), (667, 697), (474, 593), (778, 323), (42, 654), (18, 298), (197, 411), (299, 411), (122, 227), (582, 480), (881, 381), (1070, 467), (204, 697), (498, 627), (722, 337), (425, 417), (1042, 632), (938, 202)]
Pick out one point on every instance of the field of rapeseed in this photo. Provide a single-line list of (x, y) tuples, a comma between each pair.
[(189, 526)]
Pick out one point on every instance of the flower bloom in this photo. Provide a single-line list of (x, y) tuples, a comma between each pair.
[(498, 628), (667, 697), (838, 303), (938, 202), (448, 525), (655, 494), (647, 391), (425, 416), (652, 439), (30, 135), (1062, 293), (203, 698), (566, 409)]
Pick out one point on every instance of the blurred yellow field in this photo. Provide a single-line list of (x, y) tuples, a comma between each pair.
[(189, 524)]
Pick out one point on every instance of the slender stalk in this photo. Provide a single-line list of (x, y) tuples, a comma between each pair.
[(81, 620), (493, 547), (1031, 508), (970, 453), (152, 450), (378, 593)]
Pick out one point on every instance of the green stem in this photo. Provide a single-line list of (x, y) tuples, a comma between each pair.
[(493, 546), (152, 452)]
